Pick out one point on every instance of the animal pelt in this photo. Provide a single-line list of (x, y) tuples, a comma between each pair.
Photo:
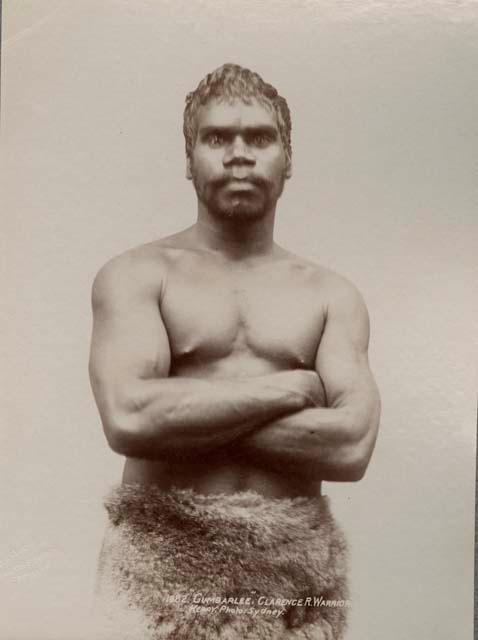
[(165, 553)]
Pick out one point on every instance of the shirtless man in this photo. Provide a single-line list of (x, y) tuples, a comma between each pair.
[(221, 363)]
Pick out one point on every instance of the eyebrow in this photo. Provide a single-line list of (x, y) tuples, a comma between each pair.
[(247, 131)]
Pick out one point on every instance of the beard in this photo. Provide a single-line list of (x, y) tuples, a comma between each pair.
[(240, 205)]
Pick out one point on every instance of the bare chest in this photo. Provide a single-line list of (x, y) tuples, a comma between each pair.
[(250, 321)]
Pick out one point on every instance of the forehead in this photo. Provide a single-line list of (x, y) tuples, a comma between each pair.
[(236, 114)]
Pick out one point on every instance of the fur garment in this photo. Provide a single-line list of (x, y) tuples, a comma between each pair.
[(179, 565)]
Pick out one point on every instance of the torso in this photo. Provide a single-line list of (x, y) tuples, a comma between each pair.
[(232, 319)]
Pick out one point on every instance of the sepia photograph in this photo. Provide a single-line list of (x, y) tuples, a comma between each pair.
[(240, 319)]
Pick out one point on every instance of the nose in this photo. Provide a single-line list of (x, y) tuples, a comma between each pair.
[(238, 152)]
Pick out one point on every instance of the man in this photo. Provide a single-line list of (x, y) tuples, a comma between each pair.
[(233, 376)]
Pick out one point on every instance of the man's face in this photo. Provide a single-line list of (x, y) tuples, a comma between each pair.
[(238, 163)]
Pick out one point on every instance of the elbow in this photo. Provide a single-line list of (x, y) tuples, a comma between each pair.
[(347, 464), (358, 450), (129, 436), (351, 460), (351, 467), (357, 455), (123, 436), (354, 468)]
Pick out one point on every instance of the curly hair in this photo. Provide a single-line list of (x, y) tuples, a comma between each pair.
[(230, 82)]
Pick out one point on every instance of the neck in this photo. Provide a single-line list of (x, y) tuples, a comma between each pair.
[(236, 238)]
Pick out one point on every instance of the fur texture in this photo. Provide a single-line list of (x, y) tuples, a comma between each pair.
[(159, 545)]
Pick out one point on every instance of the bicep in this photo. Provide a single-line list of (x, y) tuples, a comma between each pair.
[(129, 340), (342, 358)]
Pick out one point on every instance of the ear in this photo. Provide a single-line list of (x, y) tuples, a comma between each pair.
[(288, 168), (189, 173)]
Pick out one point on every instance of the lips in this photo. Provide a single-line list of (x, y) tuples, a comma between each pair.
[(240, 173), (240, 185), (244, 183), (241, 179)]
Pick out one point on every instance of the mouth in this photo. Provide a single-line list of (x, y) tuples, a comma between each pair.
[(240, 185), (242, 181)]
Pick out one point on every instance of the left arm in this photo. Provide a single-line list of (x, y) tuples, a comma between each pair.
[(334, 442)]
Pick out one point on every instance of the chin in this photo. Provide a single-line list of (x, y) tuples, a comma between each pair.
[(241, 214), (240, 209)]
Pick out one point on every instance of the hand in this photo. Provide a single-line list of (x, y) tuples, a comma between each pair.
[(311, 386), (305, 383)]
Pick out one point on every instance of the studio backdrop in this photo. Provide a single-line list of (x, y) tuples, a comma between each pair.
[(384, 100)]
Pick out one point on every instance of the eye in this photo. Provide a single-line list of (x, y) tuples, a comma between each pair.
[(215, 139), (261, 140)]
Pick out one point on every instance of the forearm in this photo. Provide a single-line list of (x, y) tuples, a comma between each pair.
[(320, 443), (173, 415)]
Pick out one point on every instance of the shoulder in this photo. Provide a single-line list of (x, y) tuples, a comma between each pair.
[(334, 289), (340, 300), (341, 293), (140, 269), (346, 313)]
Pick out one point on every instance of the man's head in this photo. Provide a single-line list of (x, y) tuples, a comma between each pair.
[(237, 130), (232, 82)]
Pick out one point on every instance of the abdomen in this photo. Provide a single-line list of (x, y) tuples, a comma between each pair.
[(216, 474)]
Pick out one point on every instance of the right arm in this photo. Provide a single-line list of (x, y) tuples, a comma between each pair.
[(144, 413)]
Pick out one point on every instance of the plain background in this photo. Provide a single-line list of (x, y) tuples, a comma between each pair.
[(384, 101)]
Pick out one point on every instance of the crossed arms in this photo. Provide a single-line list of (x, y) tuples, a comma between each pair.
[(278, 420)]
